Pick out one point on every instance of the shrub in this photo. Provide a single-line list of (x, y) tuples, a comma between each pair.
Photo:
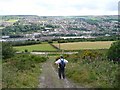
[(87, 54), (26, 50), (7, 50), (72, 57), (114, 51), (50, 41)]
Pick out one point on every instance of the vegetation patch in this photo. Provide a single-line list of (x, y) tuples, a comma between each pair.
[(97, 72), (22, 71), (113, 52)]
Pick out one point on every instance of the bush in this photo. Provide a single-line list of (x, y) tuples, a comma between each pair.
[(114, 51), (50, 41), (7, 50), (26, 50), (90, 55)]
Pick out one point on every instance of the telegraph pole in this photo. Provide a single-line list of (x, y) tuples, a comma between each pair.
[(59, 42)]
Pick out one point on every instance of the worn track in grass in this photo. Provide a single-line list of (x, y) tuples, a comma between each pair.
[(49, 77)]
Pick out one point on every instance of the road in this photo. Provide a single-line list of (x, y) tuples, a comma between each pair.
[(46, 53), (49, 77)]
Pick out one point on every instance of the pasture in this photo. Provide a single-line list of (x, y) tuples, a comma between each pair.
[(1, 27), (85, 45), (12, 20), (38, 47)]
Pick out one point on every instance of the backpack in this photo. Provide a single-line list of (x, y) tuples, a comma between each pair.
[(62, 64)]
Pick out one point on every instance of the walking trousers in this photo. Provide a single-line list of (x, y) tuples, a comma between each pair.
[(61, 72)]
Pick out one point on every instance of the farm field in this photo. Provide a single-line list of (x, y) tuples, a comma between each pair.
[(1, 27), (12, 20), (41, 47), (85, 45)]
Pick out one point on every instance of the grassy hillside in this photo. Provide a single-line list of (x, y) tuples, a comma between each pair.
[(21, 71), (92, 69)]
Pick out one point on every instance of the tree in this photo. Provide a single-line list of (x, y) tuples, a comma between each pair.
[(26, 50), (114, 51), (7, 50), (50, 41)]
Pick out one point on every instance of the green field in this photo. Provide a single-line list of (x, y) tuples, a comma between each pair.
[(12, 20), (38, 47), (1, 27), (85, 45)]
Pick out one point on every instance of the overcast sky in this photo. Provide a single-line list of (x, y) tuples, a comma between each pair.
[(58, 7)]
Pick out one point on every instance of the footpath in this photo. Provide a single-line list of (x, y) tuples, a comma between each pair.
[(49, 77)]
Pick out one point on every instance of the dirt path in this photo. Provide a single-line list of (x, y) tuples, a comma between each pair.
[(49, 77)]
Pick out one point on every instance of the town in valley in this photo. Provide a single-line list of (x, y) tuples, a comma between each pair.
[(32, 27)]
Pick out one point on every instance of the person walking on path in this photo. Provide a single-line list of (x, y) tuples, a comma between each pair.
[(61, 66)]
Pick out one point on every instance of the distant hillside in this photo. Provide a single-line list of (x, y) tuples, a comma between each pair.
[(60, 25)]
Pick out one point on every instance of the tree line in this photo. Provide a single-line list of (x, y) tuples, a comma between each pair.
[(104, 38)]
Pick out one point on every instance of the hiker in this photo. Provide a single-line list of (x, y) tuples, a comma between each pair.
[(61, 66)]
